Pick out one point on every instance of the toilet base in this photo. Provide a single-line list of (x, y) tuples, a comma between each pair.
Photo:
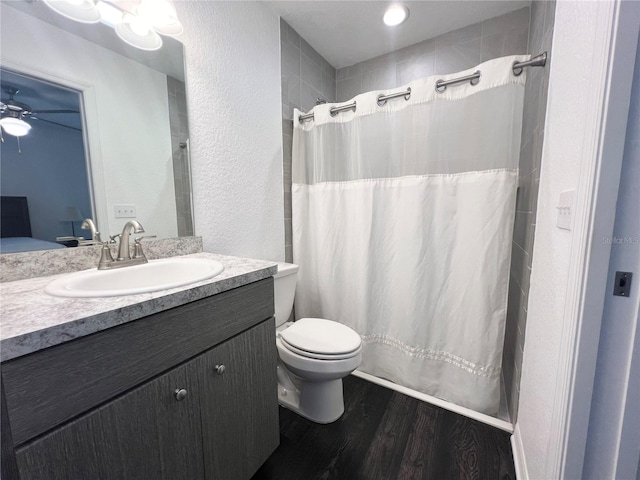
[(320, 402)]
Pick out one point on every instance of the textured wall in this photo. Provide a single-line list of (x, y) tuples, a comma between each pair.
[(232, 54), (306, 76), (448, 53), (535, 103)]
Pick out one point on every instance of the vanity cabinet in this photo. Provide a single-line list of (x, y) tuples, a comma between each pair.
[(212, 415)]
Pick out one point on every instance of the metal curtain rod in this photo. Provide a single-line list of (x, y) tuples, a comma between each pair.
[(441, 86), (382, 99), (537, 61), (333, 111), (473, 79)]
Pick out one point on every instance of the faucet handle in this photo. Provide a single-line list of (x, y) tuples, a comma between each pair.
[(106, 259), (137, 247), (139, 239), (112, 238)]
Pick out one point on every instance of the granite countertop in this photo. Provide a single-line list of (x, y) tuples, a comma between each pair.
[(31, 320)]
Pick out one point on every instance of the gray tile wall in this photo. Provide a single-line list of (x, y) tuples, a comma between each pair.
[(448, 53), (535, 103), (179, 126), (306, 75)]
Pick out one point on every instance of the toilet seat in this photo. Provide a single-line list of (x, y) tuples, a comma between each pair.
[(321, 339), (318, 356)]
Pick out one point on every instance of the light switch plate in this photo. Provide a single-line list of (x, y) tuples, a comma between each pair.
[(565, 209), (124, 211)]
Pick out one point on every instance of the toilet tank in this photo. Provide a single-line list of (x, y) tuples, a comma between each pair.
[(284, 289)]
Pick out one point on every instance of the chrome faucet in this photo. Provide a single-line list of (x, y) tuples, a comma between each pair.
[(87, 224), (124, 253)]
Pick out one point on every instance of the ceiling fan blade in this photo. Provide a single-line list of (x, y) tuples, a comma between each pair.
[(55, 111), (56, 123)]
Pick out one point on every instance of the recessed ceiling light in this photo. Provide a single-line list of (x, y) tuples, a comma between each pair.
[(395, 15)]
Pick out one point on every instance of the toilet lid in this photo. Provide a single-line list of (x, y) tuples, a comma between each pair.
[(317, 356), (320, 336)]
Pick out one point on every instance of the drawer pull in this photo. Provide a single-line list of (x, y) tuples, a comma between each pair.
[(219, 369), (180, 394)]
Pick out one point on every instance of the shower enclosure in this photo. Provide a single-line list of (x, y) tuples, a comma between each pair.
[(403, 207)]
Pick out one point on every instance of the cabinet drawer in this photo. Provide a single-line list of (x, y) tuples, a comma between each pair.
[(54, 385)]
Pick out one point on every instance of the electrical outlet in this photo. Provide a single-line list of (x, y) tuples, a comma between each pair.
[(124, 211)]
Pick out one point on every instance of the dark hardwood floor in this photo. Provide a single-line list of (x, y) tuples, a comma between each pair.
[(387, 435)]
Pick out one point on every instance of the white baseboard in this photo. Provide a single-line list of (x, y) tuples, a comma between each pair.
[(519, 459)]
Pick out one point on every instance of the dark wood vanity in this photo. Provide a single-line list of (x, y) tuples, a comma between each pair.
[(186, 393)]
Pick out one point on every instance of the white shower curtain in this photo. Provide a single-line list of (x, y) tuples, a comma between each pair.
[(402, 225)]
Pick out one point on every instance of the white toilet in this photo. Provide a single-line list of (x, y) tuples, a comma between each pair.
[(314, 355)]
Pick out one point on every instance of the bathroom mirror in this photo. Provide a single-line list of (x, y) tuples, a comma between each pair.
[(131, 121)]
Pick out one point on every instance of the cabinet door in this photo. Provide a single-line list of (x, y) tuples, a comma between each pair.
[(145, 434), (239, 407)]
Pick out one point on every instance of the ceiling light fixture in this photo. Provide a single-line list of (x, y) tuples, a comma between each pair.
[(83, 11), (395, 15), (136, 22), (135, 31), (15, 126), (109, 14), (162, 16)]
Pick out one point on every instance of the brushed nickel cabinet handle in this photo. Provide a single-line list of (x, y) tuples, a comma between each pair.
[(219, 369)]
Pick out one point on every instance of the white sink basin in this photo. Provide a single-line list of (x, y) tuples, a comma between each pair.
[(150, 277)]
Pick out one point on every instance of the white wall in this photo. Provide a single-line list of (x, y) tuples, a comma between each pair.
[(559, 346), (232, 52), (552, 246), (132, 103)]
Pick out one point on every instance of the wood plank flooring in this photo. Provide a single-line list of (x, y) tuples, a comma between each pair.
[(385, 435)]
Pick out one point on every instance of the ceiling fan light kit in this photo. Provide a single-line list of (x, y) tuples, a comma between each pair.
[(136, 22), (13, 113), (14, 126)]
